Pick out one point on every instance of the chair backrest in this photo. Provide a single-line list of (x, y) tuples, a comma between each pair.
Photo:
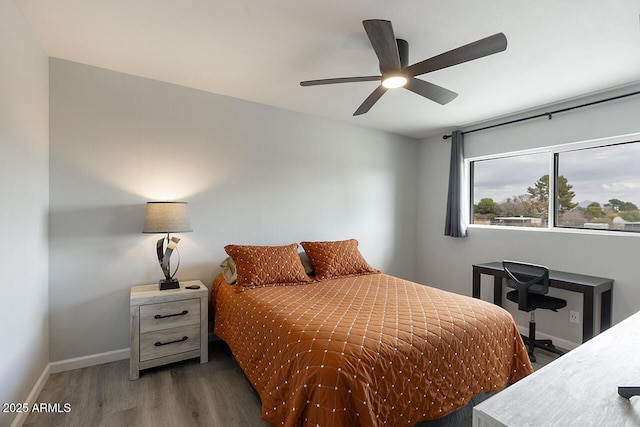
[(528, 277)]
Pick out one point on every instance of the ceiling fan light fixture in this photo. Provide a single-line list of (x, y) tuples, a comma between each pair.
[(394, 81)]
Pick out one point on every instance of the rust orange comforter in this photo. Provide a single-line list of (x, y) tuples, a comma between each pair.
[(367, 350)]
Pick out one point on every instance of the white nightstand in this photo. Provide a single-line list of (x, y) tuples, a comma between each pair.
[(167, 326)]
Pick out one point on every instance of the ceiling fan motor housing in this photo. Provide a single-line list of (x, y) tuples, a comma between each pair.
[(403, 52)]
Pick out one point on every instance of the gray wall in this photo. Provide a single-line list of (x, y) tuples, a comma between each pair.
[(446, 262), (24, 177), (252, 174)]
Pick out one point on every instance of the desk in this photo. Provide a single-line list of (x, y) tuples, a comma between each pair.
[(588, 286), (578, 389)]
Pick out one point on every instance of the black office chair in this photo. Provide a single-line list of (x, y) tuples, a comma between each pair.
[(531, 284)]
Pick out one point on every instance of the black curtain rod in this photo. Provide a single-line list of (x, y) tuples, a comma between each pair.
[(549, 114)]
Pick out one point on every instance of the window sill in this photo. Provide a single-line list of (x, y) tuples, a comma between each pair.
[(556, 230)]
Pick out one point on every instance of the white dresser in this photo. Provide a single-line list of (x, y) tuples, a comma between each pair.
[(578, 389)]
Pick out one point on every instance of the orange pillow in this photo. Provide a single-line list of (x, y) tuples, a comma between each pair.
[(335, 259), (267, 265)]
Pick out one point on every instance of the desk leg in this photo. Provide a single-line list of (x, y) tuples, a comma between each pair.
[(588, 323), (605, 310), (497, 290), (476, 283), (497, 287)]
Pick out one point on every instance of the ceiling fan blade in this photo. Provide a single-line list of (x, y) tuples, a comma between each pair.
[(340, 80), (380, 33), (434, 92), (478, 49), (371, 99)]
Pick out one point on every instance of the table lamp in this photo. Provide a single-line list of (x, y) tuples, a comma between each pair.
[(167, 217)]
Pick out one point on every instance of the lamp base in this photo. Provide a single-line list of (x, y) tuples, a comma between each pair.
[(167, 284)]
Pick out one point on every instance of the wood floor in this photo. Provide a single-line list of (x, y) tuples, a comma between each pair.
[(181, 394)]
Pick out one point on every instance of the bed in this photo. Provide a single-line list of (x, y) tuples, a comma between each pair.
[(365, 349)]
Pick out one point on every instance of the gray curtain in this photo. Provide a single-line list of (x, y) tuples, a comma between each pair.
[(454, 225)]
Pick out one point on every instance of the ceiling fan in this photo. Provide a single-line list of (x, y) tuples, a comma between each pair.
[(393, 55)]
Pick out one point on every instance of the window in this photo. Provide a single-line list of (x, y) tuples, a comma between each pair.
[(599, 188), (593, 185), (510, 191)]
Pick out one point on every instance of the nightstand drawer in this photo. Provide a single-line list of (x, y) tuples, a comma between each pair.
[(169, 341), (156, 317)]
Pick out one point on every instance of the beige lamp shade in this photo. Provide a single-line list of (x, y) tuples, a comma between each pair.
[(167, 217)]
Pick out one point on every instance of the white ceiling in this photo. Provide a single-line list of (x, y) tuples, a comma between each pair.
[(259, 50)]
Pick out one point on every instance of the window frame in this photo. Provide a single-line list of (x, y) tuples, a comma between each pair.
[(553, 153)]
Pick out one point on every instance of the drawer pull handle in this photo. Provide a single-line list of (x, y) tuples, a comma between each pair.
[(158, 316), (158, 343)]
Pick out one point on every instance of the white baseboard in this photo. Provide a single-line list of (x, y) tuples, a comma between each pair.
[(90, 360), (19, 420), (558, 342)]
